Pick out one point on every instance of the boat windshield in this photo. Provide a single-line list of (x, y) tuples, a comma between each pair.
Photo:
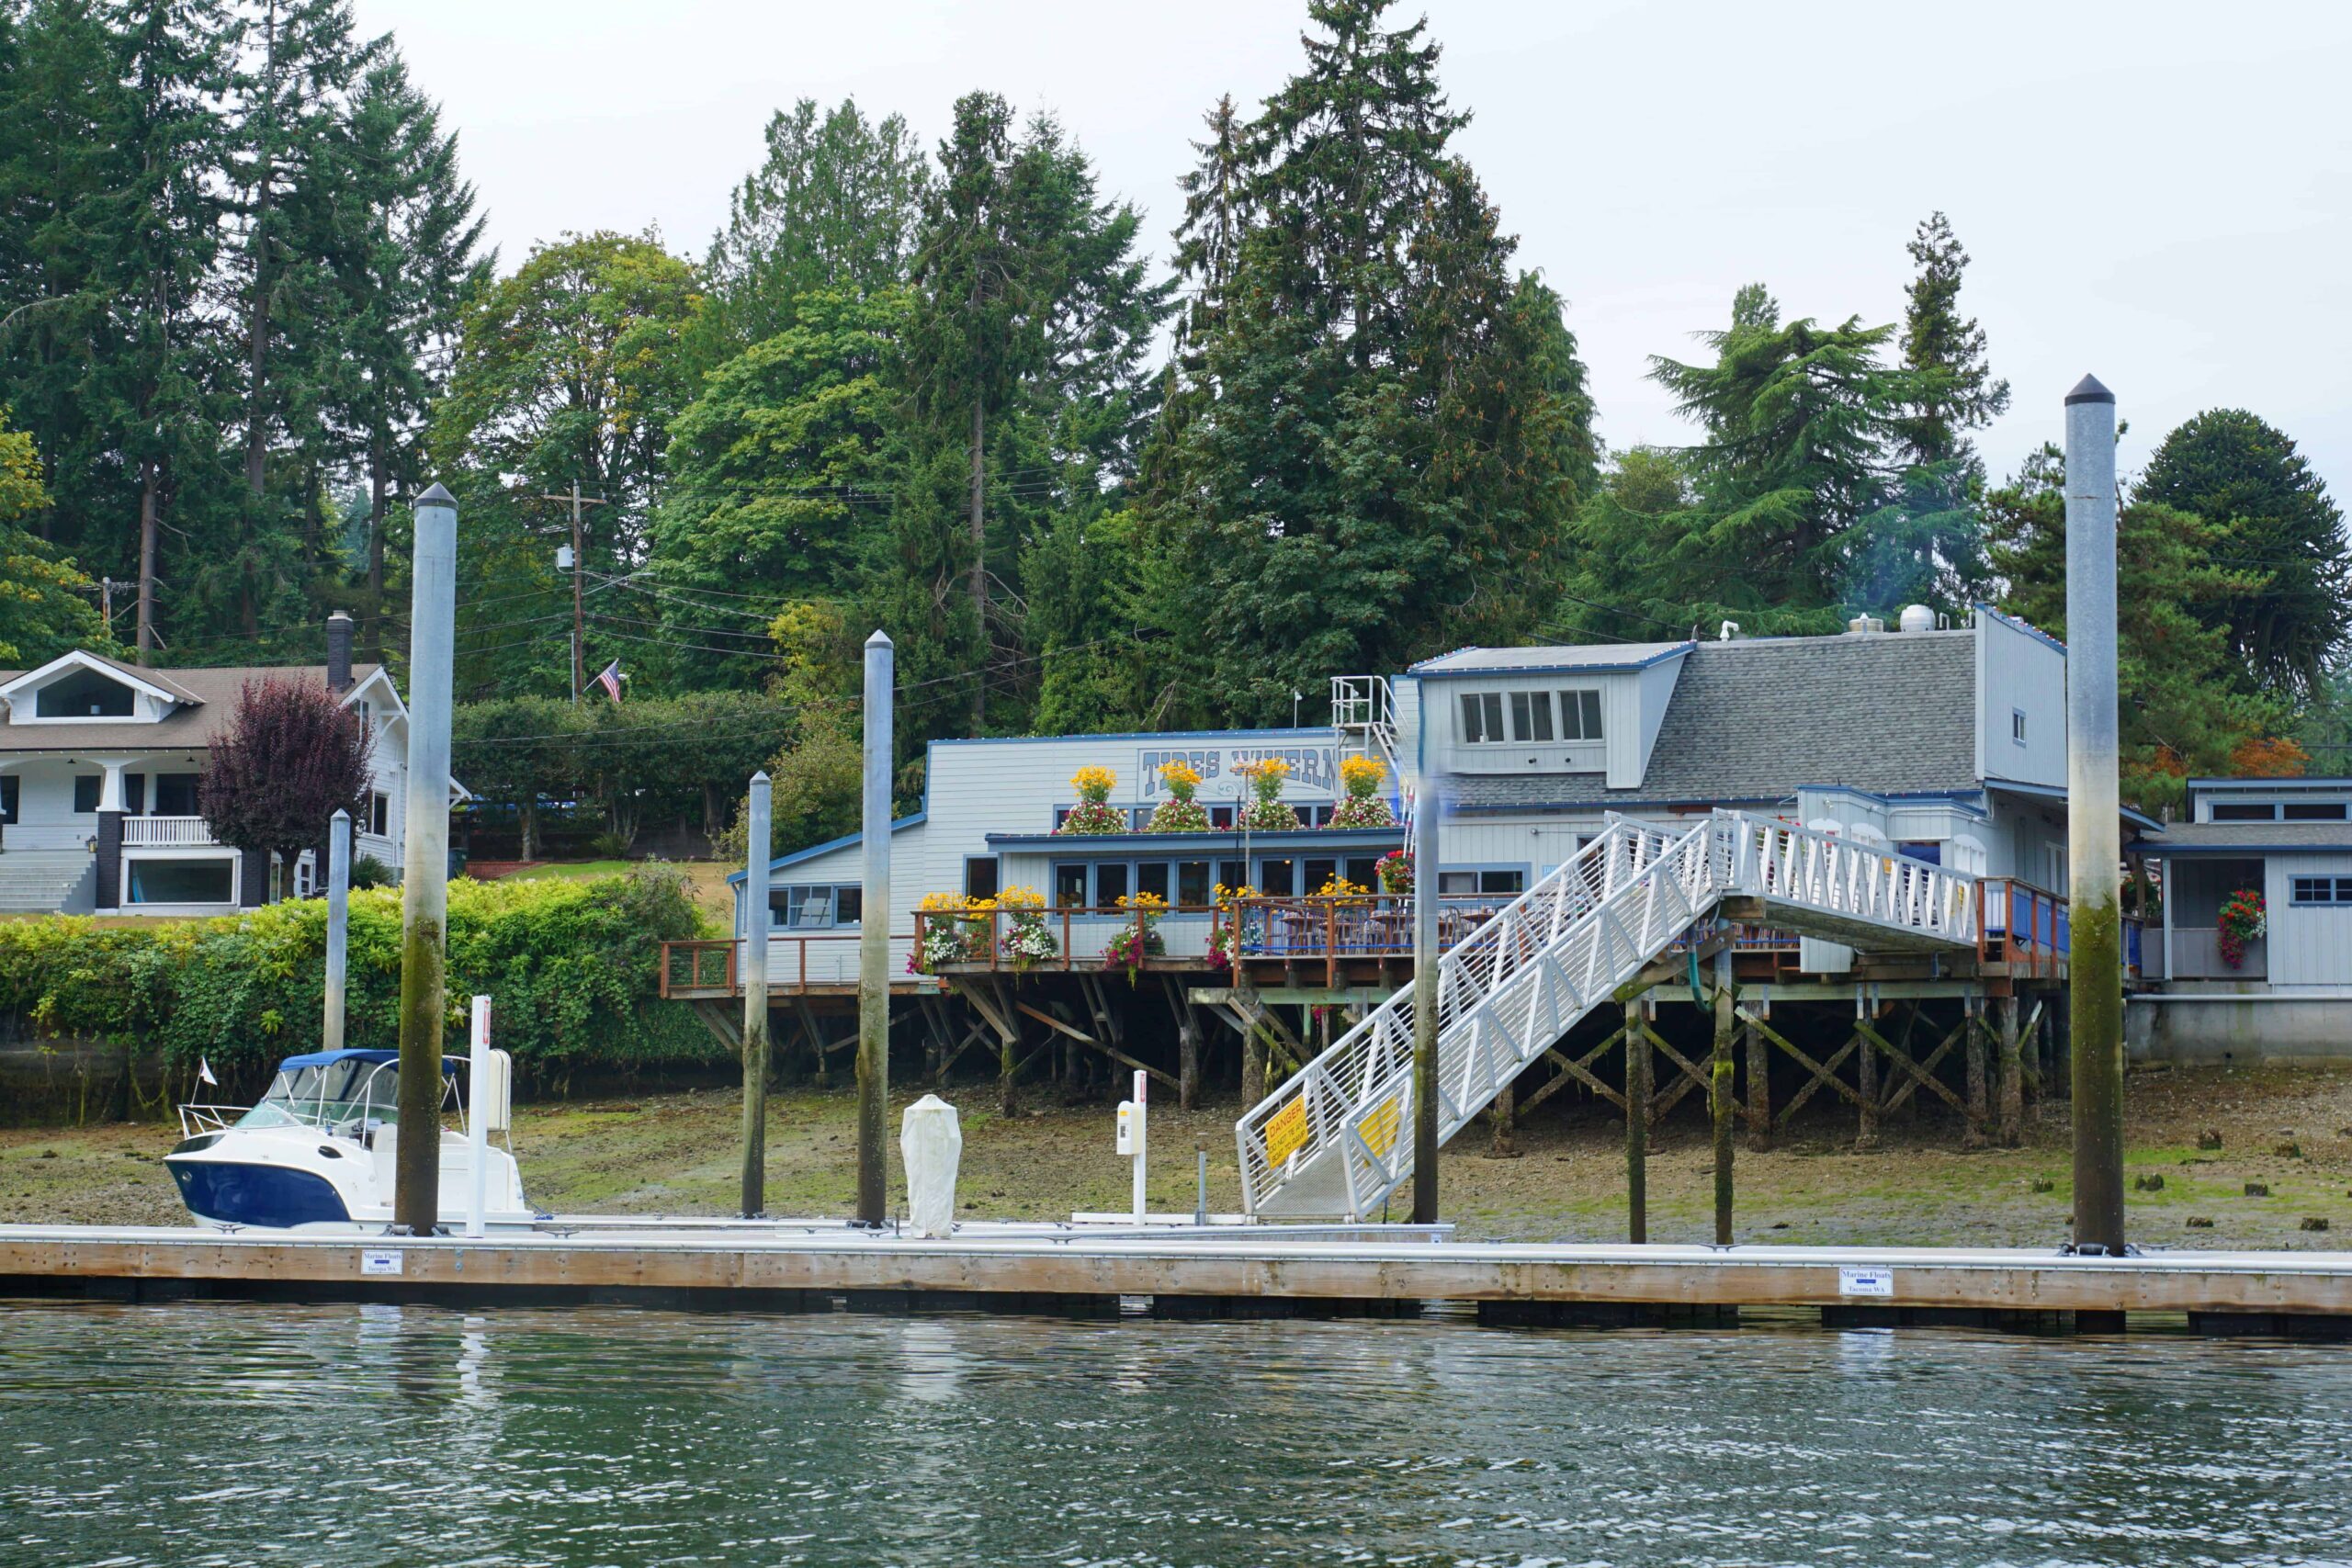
[(354, 1094)]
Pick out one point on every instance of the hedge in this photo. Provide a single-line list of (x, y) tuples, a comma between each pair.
[(573, 965)]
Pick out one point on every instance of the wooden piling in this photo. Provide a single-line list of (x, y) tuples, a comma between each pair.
[(1503, 1144), (2012, 1076), (1866, 1084), (1722, 1097), (1978, 1116), (1637, 1126), (1759, 1088)]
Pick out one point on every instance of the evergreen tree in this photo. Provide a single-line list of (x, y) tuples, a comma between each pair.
[(835, 207), (2237, 471), (1952, 390), (44, 610), (1392, 429)]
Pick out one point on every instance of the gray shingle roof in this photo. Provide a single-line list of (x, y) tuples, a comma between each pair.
[(1892, 713), (211, 692), (2249, 836)]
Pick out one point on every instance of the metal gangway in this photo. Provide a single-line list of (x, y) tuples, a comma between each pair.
[(1336, 1138)]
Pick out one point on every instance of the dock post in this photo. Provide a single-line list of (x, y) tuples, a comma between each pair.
[(1722, 1067), (338, 928), (873, 941), (1637, 1126), (1759, 1087), (2012, 1076), (1865, 1077), (425, 876), (756, 1000), (1426, 991), (2094, 836)]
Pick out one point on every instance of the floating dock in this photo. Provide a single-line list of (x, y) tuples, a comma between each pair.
[(1188, 1272)]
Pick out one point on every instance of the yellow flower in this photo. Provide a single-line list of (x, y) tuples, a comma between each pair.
[(1019, 898), (1094, 783), (1363, 774), (1150, 903), (1273, 767), (944, 903), (1179, 772)]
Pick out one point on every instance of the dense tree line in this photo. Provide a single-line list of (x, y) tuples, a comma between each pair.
[(946, 387)]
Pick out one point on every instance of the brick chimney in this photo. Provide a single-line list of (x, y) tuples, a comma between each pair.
[(339, 652)]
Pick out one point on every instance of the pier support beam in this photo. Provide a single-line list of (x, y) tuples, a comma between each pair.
[(1759, 1088), (1722, 1098), (1637, 1126), (2012, 1075), (2094, 835), (1426, 985), (1865, 1077), (425, 880), (874, 939), (755, 1001), (1979, 1114)]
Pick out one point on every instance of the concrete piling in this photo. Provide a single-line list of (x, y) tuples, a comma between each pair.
[(338, 929), (874, 939), (425, 880), (1426, 989), (755, 998)]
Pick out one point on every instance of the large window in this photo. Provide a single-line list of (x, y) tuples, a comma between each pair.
[(1069, 884), (2244, 811), (2329, 891), (1533, 720), (183, 881), (980, 877), (1475, 884), (176, 795), (84, 694), (379, 813), (1482, 718), (2316, 811), (819, 907), (1531, 716)]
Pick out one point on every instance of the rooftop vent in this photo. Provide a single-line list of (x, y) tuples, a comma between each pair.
[(1918, 618), (1865, 625)]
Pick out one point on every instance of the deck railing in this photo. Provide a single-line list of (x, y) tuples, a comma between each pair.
[(794, 961), (2027, 929), (1076, 937), (154, 832)]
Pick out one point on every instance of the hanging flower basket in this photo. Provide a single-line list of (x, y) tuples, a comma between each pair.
[(1180, 813), (2242, 919), (1266, 812), (1140, 939), (1395, 871), (955, 930), (1365, 806), (1028, 941), (1093, 813)]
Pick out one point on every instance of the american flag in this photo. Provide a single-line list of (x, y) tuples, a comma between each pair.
[(610, 679)]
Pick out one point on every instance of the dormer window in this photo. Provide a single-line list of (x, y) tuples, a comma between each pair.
[(1581, 715), (83, 693), (1531, 720)]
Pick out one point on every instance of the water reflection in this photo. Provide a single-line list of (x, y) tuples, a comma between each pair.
[(229, 1434)]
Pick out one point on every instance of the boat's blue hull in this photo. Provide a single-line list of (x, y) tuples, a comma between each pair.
[(263, 1195)]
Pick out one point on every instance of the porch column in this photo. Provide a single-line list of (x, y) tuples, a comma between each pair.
[(110, 815), (253, 878)]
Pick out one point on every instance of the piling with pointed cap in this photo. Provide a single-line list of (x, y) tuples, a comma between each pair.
[(756, 1000), (338, 927), (873, 941), (425, 879), (2094, 846)]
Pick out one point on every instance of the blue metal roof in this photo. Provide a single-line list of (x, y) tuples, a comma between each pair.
[(372, 1058), (735, 879)]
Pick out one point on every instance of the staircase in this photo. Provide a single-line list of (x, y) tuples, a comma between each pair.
[(1364, 712), (38, 882), (1336, 1139)]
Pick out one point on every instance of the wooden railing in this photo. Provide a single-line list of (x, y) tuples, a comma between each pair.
[(160, 830), (717, 966), (2026, 928), (1078, 937)]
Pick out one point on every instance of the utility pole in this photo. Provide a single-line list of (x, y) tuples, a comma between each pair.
[(2094, 837), (579, 621), (106, 604)]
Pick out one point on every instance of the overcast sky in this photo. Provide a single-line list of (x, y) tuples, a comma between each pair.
[(2157, 193)]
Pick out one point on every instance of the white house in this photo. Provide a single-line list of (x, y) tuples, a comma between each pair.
[(2290, 992), (1949, 743), (98, 768)]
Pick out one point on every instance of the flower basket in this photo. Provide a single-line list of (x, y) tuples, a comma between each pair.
[(1180, 813), (1364, 806), (1395, 871), (1093, 814), (2242, 919), (1140, 939), (1225, 941), (1028, 941), (955, 930), (1266, 812)]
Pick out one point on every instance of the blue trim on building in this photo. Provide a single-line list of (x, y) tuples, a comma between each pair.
[(1459, 809), (2259, 784), (2229, 851), (2058, 793), (1322, 731), (735, 879), (1425, 671)]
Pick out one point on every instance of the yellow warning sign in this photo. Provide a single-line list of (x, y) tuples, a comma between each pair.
[(1285, 1132), (1380, 1128)]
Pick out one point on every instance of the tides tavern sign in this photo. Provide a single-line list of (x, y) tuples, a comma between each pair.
[(1314, 770)]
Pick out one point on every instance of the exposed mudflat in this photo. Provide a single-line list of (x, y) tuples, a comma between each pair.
[(678, 1153)]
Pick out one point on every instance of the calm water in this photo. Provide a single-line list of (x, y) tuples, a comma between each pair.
[(235, 1434)]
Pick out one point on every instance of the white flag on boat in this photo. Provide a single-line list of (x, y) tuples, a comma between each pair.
[(204, 1072)]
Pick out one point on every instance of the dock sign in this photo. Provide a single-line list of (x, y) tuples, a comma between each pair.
[(1866, 1281), (384, 1261)]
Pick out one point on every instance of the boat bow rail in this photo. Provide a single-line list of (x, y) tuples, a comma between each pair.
[(1336, 1138)]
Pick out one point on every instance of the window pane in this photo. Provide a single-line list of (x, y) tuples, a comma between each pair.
[(2316, 811), (849, 904), (1453, 883), (86, 792), (1472, 727), (980, 877), (1591, 703), (1220, 816), (85, 694), (1364, 872), (1192, 882), (1502, 881), (1274, 878), (8, 787), (1152, 876), (1110, 884), (182, 881), (1233, 872), (1531, 716), (176, 795), (1069, 885), (2244, 812), (1318, 873), (1492, 704)]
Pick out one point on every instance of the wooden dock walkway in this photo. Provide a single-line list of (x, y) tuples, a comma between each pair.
[(1225, 1271)]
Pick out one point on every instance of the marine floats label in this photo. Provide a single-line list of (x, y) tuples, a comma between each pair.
[(1866, 1281)]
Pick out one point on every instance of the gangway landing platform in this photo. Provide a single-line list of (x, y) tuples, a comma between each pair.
[(1336, 1138)]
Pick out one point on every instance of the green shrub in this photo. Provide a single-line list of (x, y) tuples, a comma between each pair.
[(573, 965), (369, 871)]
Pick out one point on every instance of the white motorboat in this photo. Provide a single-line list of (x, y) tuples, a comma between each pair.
[(319, 1151)]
